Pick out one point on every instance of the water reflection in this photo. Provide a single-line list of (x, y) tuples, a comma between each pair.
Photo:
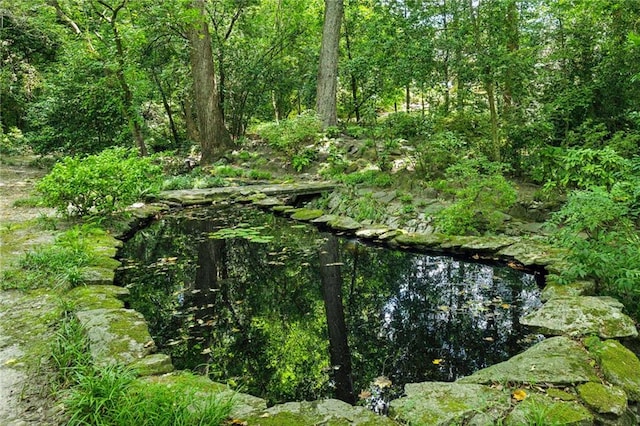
[(252, 309)]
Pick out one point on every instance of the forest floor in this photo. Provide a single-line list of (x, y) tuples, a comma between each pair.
[(24, 385)]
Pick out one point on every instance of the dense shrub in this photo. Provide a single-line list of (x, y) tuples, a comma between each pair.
[(597, 227), (99, 184), (480, 193), (291, 135), (440, 151), (579, 168)]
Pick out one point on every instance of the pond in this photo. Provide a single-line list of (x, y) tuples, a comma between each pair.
[(284, 311)]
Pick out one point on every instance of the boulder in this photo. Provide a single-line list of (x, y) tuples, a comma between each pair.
[(539, 409), (575, 288), (580, 316), (603, 399), (116, 335), (438, 403), (557, 360), (344, 223), (307, 214), (619, 365), (323, 412)]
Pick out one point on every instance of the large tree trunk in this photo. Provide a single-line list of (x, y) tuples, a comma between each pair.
[(328, 68), (214, 137)]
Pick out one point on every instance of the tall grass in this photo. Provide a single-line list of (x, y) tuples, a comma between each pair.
[(111, 395)]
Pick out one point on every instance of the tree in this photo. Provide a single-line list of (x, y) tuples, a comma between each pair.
[(215, 139), (326, 98)]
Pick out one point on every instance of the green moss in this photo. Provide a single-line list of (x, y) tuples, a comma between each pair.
[(603, 399), (560, 394), (539, 409), (619, 365), (307, 214)]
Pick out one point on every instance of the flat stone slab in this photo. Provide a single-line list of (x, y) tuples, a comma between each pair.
[(576, 288), (540, 409), (619, 365), (208, 195), (323, 412), (152, 365), (344, 223), (556, 360), (532, 252), (244, 405), (603, 399), (372, 231), (116, 335), (91, 297), (438, 403), (581, 316), (306, 214)]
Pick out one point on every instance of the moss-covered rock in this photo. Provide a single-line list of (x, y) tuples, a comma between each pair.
[(603, 399), (373, 231), (561, 395), (245, 405), (437, 403), (96, 275), (582, 315), (344, 223), (619, 365), (557, 360), (267, 201), (420, 241), (152, 365), (116, 335), (539, 409), (307, 214), (97, 297), (577, 288), (532, 252), (324, 412)]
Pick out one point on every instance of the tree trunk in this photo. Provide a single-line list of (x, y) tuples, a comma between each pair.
[(214, 137), (354, 82), (332, 294), (326, 97)]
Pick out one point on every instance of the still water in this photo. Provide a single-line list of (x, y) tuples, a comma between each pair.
[(283, 311)]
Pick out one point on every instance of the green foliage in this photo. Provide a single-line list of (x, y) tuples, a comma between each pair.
[(579, 168), (192, 181), (259, 174), (227, 171), (291, 135), (368, 178), (110, 395), (597, 227), (405, 125), (480, 192), (99, 184), (302, 159), (434, 156), (56, 265), (13, 142)]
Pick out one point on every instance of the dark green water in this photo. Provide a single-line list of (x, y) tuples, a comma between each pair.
[(251, 309)]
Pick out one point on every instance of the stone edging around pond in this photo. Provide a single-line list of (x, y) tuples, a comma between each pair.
[(582, 376)]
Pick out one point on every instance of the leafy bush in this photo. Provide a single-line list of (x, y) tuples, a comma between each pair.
[(12, 143), (290, 135), (99, 184), (302, 159), (405, 125), (438, 153), (596, 226), (480, 191), (367, 177), (579, 168)]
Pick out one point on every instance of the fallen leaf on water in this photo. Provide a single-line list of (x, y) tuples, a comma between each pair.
[(206, 351), (505, 306), (443, 308), (519, 394), (438, 361), (488, 339)]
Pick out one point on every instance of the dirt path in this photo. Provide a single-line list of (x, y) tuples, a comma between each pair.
[(25, 317)]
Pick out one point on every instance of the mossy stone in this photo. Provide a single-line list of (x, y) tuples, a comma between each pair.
[(307, 214), (97, 297), (561, 395), (619, 365), (116, 335), (582, 315), (422, 241), (540, 409), (330, 412), (577, 288), (556, 360), (603, 399), (245, 405), (96, 275), (344, 223), (437, 403), (152, 365)]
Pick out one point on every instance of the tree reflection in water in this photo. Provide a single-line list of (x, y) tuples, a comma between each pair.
[(252, 311)]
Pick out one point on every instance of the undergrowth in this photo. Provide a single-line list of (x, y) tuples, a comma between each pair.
[(111, 395)]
